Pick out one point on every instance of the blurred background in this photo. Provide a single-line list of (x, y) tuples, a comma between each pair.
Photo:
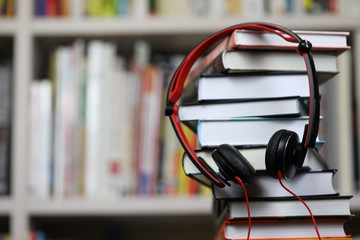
[(81, 161)]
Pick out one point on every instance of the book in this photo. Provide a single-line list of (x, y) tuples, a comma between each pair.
[(10, 8), (5, 188), (66, 78), (221, 110), (235, 61), (246, 130), (110, 163), (126, 125), (51, 8), (40, 139), (290, 207), (40, 8), (304, 183), (6, 75), (149, 128), (220, 235), (213, 87), (109, 129), (320, 40), (255, 155), (171, 152), (92, 152), (284, 229), (186, 185), (5, 124), (243, 39)]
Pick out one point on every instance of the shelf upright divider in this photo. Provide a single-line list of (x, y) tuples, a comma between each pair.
[(19, 222)]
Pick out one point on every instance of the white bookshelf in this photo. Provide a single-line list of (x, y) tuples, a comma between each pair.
[(25, 30), (129, 206), (6, 206), (7, 27), (177, 26)]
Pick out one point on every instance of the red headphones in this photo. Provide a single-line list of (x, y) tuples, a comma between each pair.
[(284, 152)]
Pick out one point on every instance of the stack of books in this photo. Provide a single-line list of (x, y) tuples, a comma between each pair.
[(248, 87), (276, 214)]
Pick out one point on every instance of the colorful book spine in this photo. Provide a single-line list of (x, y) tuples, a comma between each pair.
[(107, 140), (196, 9)]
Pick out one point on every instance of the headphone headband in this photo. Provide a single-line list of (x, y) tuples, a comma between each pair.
[(177, 84)]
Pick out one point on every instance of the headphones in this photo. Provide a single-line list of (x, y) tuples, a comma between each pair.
[(284, 152)]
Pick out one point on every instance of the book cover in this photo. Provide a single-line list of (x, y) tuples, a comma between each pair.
[(304, 183), (287, 207), (321, 40), (149, 129), (255, 155), (217, 87), (247, 130), (40, 139), (5, 125), (234, 61), (285, 229), (220, 110), (92, 155)]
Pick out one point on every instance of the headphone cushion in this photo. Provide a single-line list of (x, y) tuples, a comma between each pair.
[(232, 163), (282, 153), (271, 162)]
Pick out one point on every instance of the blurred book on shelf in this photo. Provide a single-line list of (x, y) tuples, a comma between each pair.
[(6, 108), (7, 8), (194, 8), (110, 139)]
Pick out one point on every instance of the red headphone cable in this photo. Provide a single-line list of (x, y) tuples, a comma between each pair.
[(303, 202), (238, 180)]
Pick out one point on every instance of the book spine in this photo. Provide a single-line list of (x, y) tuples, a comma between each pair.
[(93, 114), (52, 8), (40, 139), (150, 110), (40, 8), (198, 8), (5, 126)]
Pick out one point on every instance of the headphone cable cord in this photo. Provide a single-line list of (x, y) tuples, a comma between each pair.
[(238, 180), (303, 202)]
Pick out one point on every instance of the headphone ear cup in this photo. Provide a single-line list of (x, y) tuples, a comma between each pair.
[(281, 153), (270, 155), (233, 164)]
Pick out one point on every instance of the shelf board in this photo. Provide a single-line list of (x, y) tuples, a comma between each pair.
[(116, 26), (158, 25), (6, 205), (7, 26), (129, 206)]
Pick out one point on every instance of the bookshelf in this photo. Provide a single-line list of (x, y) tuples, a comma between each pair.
[(25, 35), (129, 206)]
